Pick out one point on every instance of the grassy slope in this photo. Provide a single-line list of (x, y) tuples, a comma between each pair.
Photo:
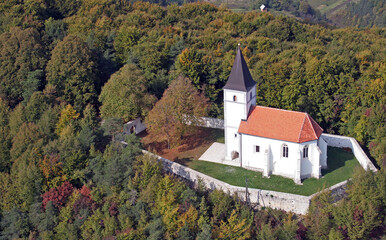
[(341, 166)]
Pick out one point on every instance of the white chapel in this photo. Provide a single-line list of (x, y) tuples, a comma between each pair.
[(270, 140)]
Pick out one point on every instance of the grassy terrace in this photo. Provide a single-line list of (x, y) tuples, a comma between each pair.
[(341, 166)]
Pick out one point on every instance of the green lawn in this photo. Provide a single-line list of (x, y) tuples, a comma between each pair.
[(341, 166)]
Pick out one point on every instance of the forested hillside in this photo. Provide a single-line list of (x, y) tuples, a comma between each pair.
[(299, 9), (64, 65), (345, 13)]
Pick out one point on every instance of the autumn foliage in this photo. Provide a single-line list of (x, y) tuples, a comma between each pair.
[(178, 111), (58, 195)]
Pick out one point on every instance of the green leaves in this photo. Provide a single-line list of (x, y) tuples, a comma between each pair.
[(73, 71), (125, 95), (21, 53)]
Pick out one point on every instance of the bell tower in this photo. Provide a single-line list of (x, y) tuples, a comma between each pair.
[(239, 97)]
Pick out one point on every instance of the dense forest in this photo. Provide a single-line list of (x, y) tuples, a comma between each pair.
[(66, 65)]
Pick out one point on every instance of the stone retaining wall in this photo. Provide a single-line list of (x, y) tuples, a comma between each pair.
[(285, 201), (349, 142)]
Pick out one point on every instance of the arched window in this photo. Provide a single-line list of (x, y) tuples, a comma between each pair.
[(234, 98), (285, 150), (305, 152)]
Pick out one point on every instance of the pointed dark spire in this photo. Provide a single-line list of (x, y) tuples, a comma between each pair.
[(240, 78)]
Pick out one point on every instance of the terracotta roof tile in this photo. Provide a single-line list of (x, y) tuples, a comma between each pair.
[(281, 124)]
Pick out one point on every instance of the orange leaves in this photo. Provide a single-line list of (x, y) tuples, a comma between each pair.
[(51, 168), (181, 103)]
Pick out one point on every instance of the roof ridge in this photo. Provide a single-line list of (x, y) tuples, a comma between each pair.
[(279, 109), (301, 128), (312, 126), (317, 125)]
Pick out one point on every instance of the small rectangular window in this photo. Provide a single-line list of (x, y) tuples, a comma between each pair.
[(285, 151), (257, 148)]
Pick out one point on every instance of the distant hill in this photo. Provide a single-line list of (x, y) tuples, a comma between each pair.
[(299, 9), (355, 13), (339, 13)]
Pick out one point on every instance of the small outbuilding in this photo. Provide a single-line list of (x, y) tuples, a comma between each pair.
[(134, 126)]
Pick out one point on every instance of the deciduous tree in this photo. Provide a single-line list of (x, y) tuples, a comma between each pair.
[(125, 95), (21, 54), (180, 104), (73, 71)]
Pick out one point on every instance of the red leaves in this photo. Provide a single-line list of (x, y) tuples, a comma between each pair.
[(85, 191), (113, 209), (85, 201), (58, 195)]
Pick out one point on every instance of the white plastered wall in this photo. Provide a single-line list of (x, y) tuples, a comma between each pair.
[(279, 165), (323, 147), (234, 112), (310, 166)]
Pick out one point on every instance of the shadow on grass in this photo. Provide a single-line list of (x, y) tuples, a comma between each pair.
[(337, 158), (183, 161)]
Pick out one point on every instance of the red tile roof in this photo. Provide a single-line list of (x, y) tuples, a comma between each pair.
[(281, 124)]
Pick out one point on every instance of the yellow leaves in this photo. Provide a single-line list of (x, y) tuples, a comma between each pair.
[(67, 115), (184, 58), (103, 23), (170, 30), (233, 229), (364, 56), (51, 168), (191, 217), (247, 53), (377, 88), (360, 129), (217, 23), (172, 222)]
